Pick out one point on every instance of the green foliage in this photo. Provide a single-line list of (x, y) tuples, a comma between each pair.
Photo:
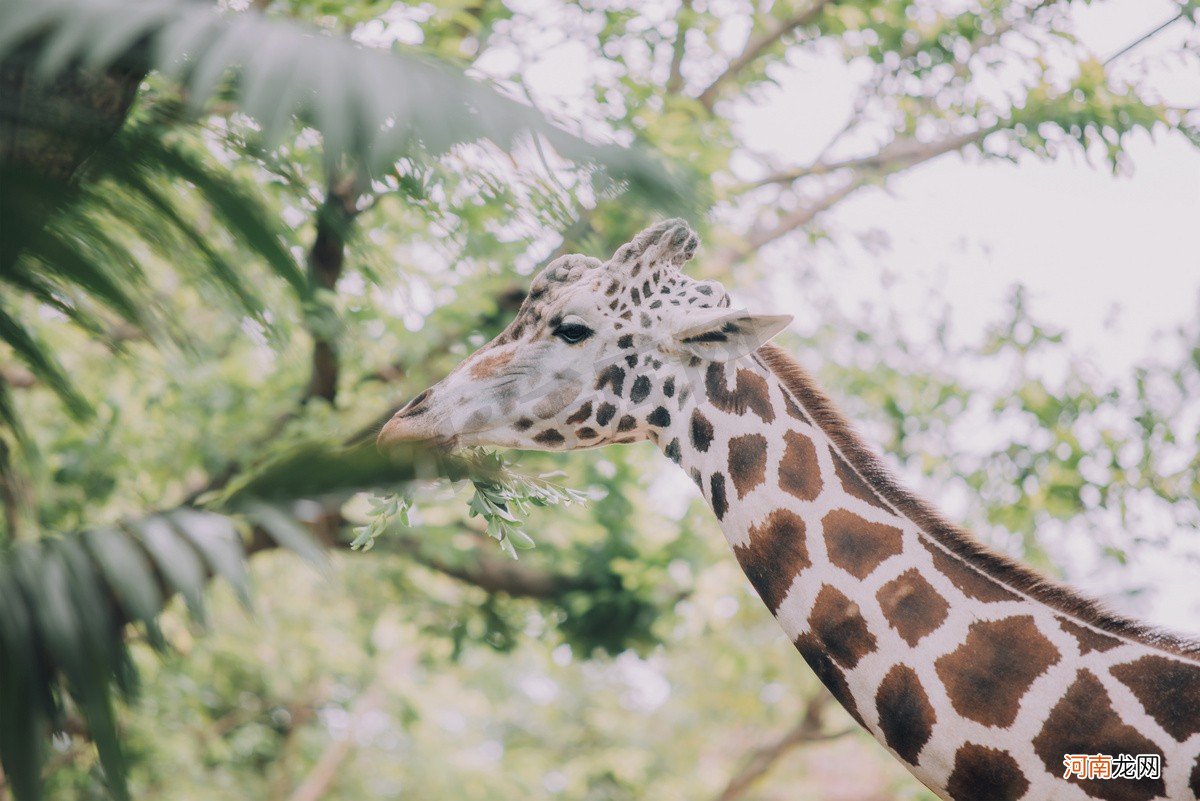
[(371, 109), (65, 603), (367, 104)]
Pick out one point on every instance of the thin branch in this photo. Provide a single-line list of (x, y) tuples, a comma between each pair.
[(300, 712), (485, 567), (678, 48), (756, 45), (11, 495), (760, 236), (897, 155), (327, 767), (1146, 37), (326, 259), (808, 729)]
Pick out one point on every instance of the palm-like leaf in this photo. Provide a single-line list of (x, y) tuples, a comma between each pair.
[(81, 260), (63, 605), (65, 601), (371, 106)]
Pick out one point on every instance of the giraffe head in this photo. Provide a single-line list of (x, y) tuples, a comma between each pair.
[(593, 356)]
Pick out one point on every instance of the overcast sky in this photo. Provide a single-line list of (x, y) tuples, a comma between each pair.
[(1085, 242)]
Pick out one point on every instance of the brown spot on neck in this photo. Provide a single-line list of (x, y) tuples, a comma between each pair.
[(906, 717), (985, 774), (747, 462), (749, 392), (799, 471), (970, 580), (1168, 689), (840, 627), (775, 556), (853, 484), (912, 606), (989, 674), (817, 657), (859, 546), (1084, 722), (1088, 638)]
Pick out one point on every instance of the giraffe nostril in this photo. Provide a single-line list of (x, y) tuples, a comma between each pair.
[(415, 406)]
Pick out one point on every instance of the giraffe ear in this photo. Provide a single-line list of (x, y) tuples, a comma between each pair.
[(724, 335)]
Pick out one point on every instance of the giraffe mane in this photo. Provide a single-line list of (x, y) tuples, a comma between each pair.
[(953, 538)]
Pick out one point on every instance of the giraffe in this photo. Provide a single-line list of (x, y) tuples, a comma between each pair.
[(986, 680)]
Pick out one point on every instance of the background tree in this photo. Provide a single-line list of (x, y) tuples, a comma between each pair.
[(222, 296)]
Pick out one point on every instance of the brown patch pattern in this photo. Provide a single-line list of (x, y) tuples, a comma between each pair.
[(720, 503), (985, 774), (906, 717), (969, 580), (702, 431), (793, 410), (830, 674), (640, 389), (776, 554), (1084, 722), (549, 437), (856, 545), (912, 606), (818, 407), (987, 676), (1088, 638), (747, 462), (1168, 689), (799, 472), (604, 413), (611, 376), (659, 418), (840, 627), (581, 414), (749, 392)]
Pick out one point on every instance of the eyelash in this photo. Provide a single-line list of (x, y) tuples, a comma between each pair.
[(567, 333)]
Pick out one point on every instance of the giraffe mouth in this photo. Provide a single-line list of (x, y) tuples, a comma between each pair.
[(407, 427)]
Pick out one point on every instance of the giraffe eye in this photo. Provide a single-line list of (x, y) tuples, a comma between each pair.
[(572, 333)]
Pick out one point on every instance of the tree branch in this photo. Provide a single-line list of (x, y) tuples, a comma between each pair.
[(763, 235), (326, 769), (485, 567), (756, 45), (675, 74), (808, 729), (899, 154), (1146, 37), (897, 157), (326, 259)]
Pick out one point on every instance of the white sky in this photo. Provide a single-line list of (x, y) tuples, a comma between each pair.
[(1083, 241)]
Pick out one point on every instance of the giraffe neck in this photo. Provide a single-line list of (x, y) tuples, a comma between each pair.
[(960, 671)]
